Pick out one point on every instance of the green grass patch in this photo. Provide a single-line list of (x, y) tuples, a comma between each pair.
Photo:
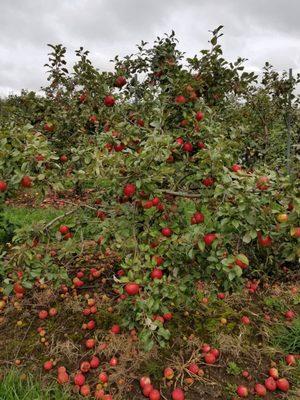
[(15, 386), (27, 216), (287, 338), (20, 217)]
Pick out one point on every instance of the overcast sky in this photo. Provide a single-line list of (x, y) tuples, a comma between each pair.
[(260, 30)]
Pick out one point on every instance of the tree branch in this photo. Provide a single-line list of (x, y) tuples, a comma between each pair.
[(181, 194), (59, 217)]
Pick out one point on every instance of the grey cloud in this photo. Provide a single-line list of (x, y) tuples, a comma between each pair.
[(259, 30)]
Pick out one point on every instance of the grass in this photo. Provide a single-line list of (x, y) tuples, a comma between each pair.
[(20, 217), (287, 338), (16, 386), (25, 216)]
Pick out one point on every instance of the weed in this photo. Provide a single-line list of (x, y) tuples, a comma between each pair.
[(233, 369)]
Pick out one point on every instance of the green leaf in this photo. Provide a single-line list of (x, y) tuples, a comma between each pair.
[(155, 124), (214, 41), (247, 238), (238, 271), (201, 245), (231, 275), (165, 333), (8, 289)]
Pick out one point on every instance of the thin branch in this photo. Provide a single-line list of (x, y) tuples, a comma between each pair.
[(59, 217), (181, 194), (101, 208), (81, 205)]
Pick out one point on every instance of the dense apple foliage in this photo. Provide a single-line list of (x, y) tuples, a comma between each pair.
[(188, 163)]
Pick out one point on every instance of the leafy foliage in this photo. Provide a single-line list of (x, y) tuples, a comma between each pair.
[(200, 135)]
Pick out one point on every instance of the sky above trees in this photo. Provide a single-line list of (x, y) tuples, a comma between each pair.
[(259, 30)]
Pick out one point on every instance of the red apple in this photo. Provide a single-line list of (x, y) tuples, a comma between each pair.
[(26, 181), (95, 362), (85, 390), (18, 288), (82, 97), (167, 232), (79, 379), (63, 158), (270, 384), (260, 390), (53, 312), (209, 238), (178, 394), (113, 362), (91, 325), (93, 119), (245, 374), (209, 358), (109, 101), (157, 273), (115, 329), (48, 365), (241, 264), (193, 368), (103, 377), (90, 343), (242, 391), (99, 394), (290, 359), (129, 190), (262, 183), (289, 315), (236, 168), (154, 395), (201, 145), (264, 241), (63, 377), (215, 352), (180, 141), (167, 316), (180, 99), (3, 186), (147, 389), (85, 366), (209, 181), (159, 260), (132, 289), (49, 127), (39, 157), (273, 372), (188, 147), (199, 116), (197, 218), (120, 81), (283, 384), (119, 147), (245, 320), (148, 204), (205, 348), (155, 201), (295, 232), (43, 314), (168, 373), (145, 380)]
